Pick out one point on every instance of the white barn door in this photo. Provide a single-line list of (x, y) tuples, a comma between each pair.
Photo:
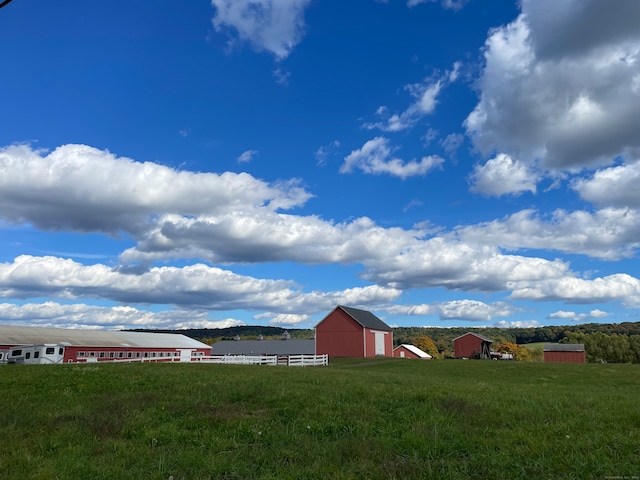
[(379, 343)]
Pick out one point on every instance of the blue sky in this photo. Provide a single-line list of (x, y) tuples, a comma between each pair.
[(227, 162)]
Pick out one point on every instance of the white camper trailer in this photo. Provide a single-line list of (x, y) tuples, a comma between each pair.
[(36, 354)]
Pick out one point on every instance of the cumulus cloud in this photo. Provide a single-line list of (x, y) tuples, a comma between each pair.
[(503, 175), (560, 85), (465, 310), (83, 189), (82, 316), (194, 286), (275, 26), (376, 157), (619, 287), (426, 98), (615, 186), (458, 265), (578, 317), (610, 233)]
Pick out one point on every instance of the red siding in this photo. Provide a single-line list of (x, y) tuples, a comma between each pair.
[(128, 353), (370, 338), (466, 346), (569, 357), (339, 335)]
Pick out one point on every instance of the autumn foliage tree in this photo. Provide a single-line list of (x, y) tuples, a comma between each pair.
[(425, 344)]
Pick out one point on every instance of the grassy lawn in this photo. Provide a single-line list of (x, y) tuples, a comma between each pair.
[(385, 419)]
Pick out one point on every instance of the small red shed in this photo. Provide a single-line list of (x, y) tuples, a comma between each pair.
[(350, 332), (410, 351), (472, 345), (564, 352)]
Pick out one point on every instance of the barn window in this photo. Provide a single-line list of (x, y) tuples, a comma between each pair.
[(129, 354), (92, 354), (102, 354), (36, 354), (153, 354), (16, 353), (82, 354), (120, 354), (146, 354), (112, 354), (60, 351), (137, 354), (49, 351), (27, 355)]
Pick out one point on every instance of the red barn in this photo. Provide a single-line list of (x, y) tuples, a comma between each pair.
[(472, 345), (410, 351), (564, 352), (350, 332)]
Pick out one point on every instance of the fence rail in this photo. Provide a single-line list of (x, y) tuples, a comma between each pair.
[(286, 360)]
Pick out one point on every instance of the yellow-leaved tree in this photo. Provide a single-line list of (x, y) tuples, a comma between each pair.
[(425, 344)]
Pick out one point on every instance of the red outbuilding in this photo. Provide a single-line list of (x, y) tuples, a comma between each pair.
[(564, 352), (472, 345), (350, 332), (410, 351)]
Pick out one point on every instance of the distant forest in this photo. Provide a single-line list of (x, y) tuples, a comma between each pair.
[(611, 342)]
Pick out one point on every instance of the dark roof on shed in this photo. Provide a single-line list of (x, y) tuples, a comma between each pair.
[(481, 337), (365, 318), (264, 347), (563, 347)]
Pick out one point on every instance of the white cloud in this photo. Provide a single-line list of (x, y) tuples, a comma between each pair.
[(447, 4), (616, 186), (194, 286), (82, 316), (247, 156), (375, 157), (560, 85), (578, 317), (426, 95), (466, 310), (276, 26), (325, 151), (503, 175), (610, 233), (517, 324), (618, 287), (80, 188)]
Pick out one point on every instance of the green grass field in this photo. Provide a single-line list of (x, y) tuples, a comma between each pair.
[(386, 419)]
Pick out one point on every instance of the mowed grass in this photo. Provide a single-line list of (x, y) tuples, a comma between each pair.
[(384, 419)]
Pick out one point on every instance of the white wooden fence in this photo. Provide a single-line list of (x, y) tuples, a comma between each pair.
[(286, 360)]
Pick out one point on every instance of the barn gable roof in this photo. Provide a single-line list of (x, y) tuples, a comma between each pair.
[(413, 349), (481, 337), (365, 318), (563, 347)]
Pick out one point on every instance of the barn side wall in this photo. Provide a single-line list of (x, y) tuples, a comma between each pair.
[(73, 354), (567, 357), (464, 347), (370, 339), (339, 335)]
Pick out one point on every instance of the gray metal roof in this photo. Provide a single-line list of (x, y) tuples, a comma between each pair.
[(481, 337), (264, 347), (365, 318), (563, 347), (10, 335)]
